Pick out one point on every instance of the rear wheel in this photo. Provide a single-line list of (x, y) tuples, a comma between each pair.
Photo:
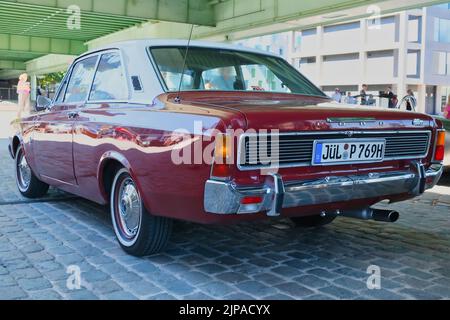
[(312, 221), (27, 183), (138, 232)]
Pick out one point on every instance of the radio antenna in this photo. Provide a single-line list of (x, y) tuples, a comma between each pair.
[(177, 98)]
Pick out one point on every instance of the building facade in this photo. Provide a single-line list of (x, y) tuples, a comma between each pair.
[(404, 50)]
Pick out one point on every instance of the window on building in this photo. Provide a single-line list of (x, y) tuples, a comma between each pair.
[(80, 80), (297, 40), (387, 20), (445, 6), (341, 57), (440, 65), (309, 32), (380, 54), (342, 27), (442, 30), (109, 81), (308, 60), (415, 29), (413, 64)]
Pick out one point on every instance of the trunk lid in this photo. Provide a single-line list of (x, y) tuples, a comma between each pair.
[(302, 113)]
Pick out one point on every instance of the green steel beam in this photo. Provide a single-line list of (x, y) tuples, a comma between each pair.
[(18, 56), (236, 19), (237, 16), (12, 65), (32, 47), (198, 12), (10, 74)]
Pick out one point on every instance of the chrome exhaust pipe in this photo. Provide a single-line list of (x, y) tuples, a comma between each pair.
[(372, 214), (385, 215)]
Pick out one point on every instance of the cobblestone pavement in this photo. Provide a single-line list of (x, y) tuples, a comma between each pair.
[(266, 260)]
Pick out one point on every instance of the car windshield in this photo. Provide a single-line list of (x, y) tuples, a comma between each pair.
[(229, 70)]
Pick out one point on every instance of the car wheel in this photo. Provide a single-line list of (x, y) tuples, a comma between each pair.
[(27, 183), (312, 221), (138, 232)]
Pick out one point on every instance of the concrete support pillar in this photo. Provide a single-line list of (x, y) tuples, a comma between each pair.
[(363, 54), (402, 54), (291, 48), (319, 58), (421, 98), (439, 94), (33, 82)]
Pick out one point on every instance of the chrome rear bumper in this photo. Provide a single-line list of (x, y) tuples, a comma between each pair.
[(225, 197)]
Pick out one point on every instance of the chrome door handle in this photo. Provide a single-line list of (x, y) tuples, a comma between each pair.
[(72, 115)]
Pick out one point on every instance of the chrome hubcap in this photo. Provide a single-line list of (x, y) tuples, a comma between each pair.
[(129, 208), (24, 172)]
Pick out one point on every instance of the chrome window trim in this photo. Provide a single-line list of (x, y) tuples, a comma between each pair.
[(125, 74), (96, 54), (241, 146), (60, 91)]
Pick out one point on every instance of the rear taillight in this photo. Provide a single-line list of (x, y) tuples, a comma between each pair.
[(251, 200), (439, 149), (223, 157)]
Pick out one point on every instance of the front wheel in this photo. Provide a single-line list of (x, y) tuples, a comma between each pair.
[(27, 183), (138, 232), (312, 221)]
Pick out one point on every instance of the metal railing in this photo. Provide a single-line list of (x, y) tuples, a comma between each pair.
[(9, 94)]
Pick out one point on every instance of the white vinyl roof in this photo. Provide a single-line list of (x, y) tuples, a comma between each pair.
[(145, 43)]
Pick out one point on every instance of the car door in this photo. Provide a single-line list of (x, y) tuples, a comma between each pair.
[(53, 137), (108, 96)]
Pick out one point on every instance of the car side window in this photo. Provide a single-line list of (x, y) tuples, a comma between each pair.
[(80, 80), (109, 81), (62, 89)]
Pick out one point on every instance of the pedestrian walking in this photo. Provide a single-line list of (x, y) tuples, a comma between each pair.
[(23, 92), (337, 96), (392, 98), (411, 101), (349, 99), (363, 94)]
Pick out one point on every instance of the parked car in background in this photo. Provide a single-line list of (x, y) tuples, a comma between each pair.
[(221, 134)]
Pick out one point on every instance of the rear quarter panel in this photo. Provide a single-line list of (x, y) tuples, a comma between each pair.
[(142, 138)]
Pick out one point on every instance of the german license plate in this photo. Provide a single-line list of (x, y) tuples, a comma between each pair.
[(348, 151)]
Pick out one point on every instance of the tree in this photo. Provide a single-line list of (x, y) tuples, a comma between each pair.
[(50, 80)]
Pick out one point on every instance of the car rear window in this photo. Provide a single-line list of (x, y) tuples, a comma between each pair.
[(228, 70)]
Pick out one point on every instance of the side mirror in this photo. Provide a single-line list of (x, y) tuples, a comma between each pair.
[(42, 103)]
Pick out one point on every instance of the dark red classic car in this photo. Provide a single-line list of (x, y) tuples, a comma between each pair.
[(217, 134)]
